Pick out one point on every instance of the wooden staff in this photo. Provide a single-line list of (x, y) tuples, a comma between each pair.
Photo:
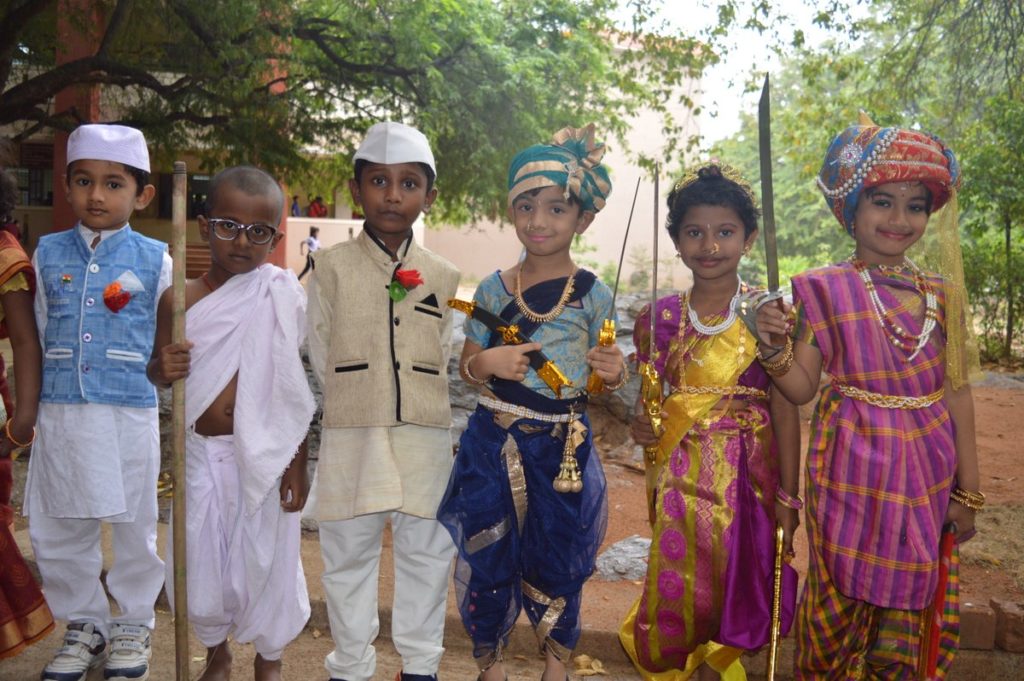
[(181, 652)]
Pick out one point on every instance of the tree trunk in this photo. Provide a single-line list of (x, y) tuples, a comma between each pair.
[(1010, 307)]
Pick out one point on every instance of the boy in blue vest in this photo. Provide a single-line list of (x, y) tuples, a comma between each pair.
[(97, 453)]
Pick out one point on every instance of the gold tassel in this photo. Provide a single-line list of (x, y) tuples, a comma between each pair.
[(569, 478)]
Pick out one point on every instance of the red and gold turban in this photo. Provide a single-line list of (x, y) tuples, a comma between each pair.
[(867, 155)]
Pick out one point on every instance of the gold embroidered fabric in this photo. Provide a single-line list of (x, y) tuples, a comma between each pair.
[(719, 366)]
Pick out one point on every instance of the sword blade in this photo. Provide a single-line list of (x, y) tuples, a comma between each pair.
[(625, 240), (764, 129), (654, 272)]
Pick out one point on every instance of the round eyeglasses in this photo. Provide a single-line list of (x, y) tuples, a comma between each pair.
[(257, 233)]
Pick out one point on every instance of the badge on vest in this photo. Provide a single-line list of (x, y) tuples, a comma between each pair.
[(119, 292)]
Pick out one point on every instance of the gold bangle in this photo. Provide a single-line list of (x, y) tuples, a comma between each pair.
[(473, 380), (972, 500), (18, 445), (782, 365), (623, 377), (788, 500)]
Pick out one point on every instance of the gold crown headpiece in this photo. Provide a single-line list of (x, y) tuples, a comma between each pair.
[(725, 170)]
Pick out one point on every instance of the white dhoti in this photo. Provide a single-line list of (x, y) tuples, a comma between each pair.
[(244, 569), (245, 575)]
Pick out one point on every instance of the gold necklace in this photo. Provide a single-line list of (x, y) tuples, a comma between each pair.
[(554, 311)]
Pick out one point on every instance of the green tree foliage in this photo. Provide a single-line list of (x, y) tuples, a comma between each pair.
[(281, 82), (993, 160)]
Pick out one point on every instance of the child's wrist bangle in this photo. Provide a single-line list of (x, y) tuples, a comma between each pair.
[(623, 377), (469, 374), (19, 445), (788, 500), (972, 500)]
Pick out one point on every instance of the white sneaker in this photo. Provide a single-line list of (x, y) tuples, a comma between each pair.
[(83, 649), (129, 653)]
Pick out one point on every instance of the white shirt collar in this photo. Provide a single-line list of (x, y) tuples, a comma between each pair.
[(90, 234)]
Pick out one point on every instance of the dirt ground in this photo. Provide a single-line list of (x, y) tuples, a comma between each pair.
[(993, 565)]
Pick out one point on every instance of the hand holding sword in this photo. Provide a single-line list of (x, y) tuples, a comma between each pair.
[(606, 337), (771, 322), (765, 321)]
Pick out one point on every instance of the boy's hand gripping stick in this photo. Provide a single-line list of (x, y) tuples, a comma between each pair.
[(606, 337)]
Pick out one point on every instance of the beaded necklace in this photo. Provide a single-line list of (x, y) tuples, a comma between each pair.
[(703, 328), (554, 311), (897, 335)]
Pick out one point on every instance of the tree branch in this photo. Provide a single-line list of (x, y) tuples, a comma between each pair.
[(13, 21), (113, 27)]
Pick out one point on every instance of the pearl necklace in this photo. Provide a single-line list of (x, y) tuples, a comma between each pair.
[(703, 328), (897, 335), (554, 311)]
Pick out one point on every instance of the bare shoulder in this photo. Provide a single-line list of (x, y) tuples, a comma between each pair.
[(195, 290)]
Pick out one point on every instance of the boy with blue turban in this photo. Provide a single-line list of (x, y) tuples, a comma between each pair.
[(526, 503)]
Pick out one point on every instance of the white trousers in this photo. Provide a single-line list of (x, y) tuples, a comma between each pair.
[(70, 559), (244, 572), (423, 552)]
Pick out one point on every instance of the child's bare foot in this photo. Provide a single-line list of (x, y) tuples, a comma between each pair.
[(554, 669), (267, 670), (496, 672), (218, 663)]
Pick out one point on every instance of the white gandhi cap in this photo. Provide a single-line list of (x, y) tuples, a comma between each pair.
[(104, 142), (391, 142)]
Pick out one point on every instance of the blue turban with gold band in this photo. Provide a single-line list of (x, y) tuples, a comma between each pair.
[(572, 161), (868, 155)]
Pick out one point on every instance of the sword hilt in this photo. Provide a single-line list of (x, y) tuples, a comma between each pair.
[(605, 339), (650, 392)]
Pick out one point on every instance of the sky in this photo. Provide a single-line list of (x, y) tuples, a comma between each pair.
[(723, 83)]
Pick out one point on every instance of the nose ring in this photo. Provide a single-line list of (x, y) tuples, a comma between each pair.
[(714, 249)]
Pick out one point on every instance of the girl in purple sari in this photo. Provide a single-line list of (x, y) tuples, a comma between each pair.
[(729, 440), (892, 455)]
